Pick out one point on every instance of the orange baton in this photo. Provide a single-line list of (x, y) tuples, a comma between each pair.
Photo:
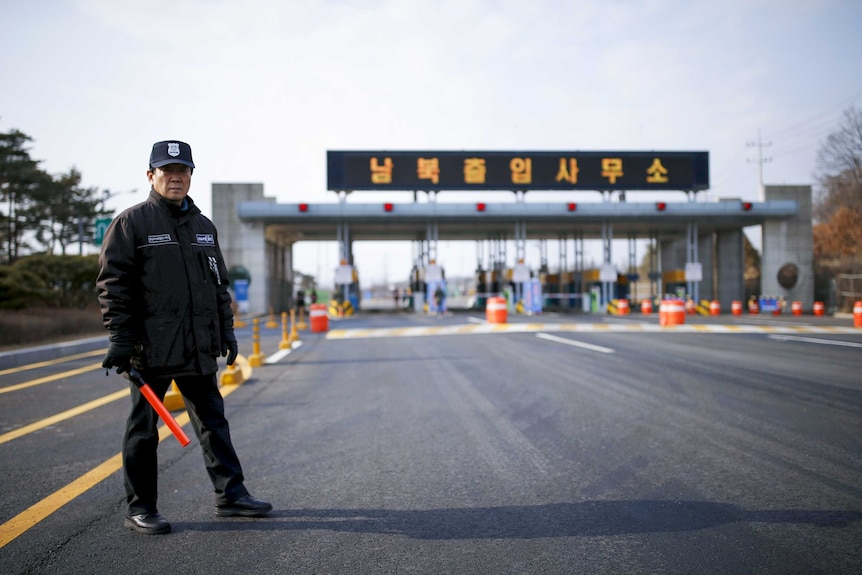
[(160, 408)]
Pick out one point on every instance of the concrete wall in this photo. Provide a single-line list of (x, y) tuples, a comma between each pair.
[(789, 241), (243, 244)]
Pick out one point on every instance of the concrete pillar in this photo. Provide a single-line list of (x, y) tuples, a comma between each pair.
[(704, 255), (789, 242), (730, 267), (242, 243)]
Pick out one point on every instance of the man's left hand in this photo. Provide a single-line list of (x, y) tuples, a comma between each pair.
[(229, 347)]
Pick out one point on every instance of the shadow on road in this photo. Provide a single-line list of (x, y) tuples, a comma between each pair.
[(590, 518)]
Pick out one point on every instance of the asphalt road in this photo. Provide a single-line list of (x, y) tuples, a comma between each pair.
[(399, 443)]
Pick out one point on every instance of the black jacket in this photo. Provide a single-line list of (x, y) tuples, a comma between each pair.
[(163, 280)]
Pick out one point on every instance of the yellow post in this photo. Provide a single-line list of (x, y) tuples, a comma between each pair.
[(231, 375), (285, 341), (294, 335), (301, 324), (271, 323), (237, 321), (256, 358)]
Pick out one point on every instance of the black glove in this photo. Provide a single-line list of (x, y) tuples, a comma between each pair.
[(121, 346), (229, 347)]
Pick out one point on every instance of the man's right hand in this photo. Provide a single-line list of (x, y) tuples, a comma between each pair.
[(120, 350)]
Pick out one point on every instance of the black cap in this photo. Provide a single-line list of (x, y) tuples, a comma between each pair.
[(171, 152)]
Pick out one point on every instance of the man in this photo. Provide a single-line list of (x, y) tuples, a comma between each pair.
[(164, 297)]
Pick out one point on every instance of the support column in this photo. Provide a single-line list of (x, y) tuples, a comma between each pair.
[(607, 260), (730, 267), (692, 287), (632, 272)]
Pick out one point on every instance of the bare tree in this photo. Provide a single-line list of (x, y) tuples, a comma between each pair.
[(839, 166)]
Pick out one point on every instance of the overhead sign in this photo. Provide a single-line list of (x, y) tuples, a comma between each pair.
[(433, 273), (344, 275), (693, 272), (100, 226), (608, 273), (466, 170)]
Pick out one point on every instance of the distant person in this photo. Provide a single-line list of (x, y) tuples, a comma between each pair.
[(163, 291), (300, 300), (439, 294), (396, 296), (313, 296)]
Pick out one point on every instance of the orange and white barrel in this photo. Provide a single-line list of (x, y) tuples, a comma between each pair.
[(496, 310), (318, 317), (715, 307), (736, 307), (646, 307), (623, 307), (671, 312), (796, 308), (857, 314), (819, 308), (690, 307)]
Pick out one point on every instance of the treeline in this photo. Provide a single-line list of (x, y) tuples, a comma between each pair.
[(40, 212), (42, 215), (838, 205)]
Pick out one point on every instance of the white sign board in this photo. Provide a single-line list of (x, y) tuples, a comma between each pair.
[(343, 275), (608, 273), (693, 272), (521, 273), (433, 273)]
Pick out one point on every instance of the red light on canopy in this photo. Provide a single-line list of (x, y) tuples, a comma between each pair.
[(746, 206), (572, 206), (660, 206), (387, 207), (303, 208), (480, 207)]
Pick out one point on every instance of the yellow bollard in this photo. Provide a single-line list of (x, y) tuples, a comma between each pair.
[(237, 321), (231, 376), (285, 340), (294, 335), (301, 324), (256, 358), (173, 398), (271, 323), (237, 373)]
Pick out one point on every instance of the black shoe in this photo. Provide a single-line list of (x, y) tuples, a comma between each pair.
[(245, 506), (149, 523)]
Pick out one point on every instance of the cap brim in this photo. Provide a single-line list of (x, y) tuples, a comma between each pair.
[(161, 163)]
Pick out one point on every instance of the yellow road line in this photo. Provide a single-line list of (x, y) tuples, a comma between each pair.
[(69, 413), (50, 378), (31, 516), (50, 362)]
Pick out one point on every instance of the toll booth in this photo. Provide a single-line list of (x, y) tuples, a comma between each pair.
[(673, 282), (593, 300), (560, 291), (481, 289), (416, 299)]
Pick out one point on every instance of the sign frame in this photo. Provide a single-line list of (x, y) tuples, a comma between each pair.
[(517, 170)]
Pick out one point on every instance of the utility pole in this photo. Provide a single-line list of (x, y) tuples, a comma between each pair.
[(759, 144)]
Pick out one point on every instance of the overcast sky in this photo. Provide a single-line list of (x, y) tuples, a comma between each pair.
[(261, 89)]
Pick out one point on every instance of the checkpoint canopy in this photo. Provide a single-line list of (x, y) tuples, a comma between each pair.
[(687, 229)]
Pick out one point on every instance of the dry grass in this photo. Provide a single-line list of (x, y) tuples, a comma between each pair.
[(40, 326)]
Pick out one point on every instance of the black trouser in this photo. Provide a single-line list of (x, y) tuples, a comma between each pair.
[(206, 412)]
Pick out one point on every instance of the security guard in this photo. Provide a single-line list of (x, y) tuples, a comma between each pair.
[(164, 297)]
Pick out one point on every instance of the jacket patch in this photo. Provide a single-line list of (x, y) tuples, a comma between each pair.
[(159, 239), (206, 239)]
